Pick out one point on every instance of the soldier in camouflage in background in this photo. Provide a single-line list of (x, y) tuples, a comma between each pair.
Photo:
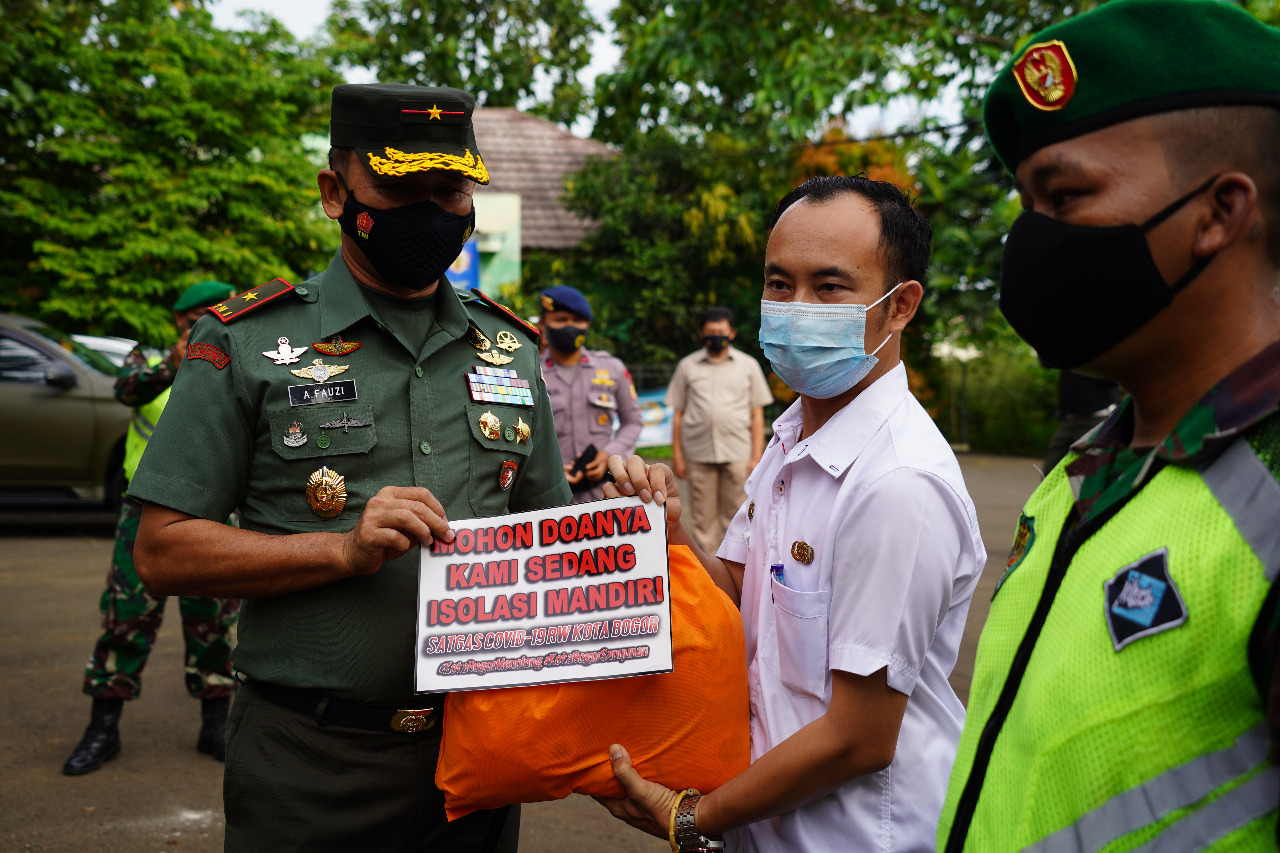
[(130, 614)]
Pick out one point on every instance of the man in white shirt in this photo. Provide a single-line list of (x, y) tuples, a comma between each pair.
[(853, 560)]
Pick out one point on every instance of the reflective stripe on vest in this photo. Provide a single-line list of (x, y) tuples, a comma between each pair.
[(1250, 494), (1230, 812), (1174, 789), (141, 426)]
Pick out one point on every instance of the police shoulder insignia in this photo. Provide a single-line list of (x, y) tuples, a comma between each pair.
[(1022, 541), (1142, 600), (1046, 75), (526, 327), (255, 297)]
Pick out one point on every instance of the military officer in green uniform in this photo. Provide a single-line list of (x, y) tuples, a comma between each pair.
[(349, 417), (1126, 674)]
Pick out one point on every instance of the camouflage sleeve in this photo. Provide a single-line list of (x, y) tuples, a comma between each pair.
[(138, 382)]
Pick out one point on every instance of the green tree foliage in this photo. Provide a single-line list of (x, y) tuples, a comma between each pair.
[(142, 149), (505, 52)]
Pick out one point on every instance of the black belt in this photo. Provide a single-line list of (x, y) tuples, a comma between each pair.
[(331, 711)]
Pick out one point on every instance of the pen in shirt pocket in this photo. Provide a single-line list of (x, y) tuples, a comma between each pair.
[(775, 572)]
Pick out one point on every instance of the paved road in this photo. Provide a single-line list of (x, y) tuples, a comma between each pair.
[(160, 794)]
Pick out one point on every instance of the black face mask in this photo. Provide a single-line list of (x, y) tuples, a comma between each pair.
[(716, 344), (565, 339), (1075, 291), (409, 246)]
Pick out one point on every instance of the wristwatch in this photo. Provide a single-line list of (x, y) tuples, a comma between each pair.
[(686, 836)]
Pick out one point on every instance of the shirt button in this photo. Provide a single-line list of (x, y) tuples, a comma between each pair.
[(418, 371), (425, 447), (301, 291)]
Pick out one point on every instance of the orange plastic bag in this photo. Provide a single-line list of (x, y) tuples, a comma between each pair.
[(687, 728)]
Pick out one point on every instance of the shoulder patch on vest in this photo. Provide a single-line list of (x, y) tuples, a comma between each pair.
[(1142, 600), (254, 297), (1023, 538), (528, 328)]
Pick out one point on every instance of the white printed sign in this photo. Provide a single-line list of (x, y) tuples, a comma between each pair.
[(572, 593)]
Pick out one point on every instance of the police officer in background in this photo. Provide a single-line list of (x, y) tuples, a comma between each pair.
[(131, 615), (587, 389), (1127, 671), (350, 417)]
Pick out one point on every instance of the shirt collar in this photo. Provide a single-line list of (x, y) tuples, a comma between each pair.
[(1242, 398), (839, 441), (342, 305)]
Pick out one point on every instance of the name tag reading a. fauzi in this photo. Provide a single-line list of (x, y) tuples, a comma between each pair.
[(342, 391)]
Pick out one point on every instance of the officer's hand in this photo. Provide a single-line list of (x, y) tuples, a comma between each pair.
[(646, 805), (681, 470), (396, 519), (651, 482), (573, 478), (597, 467)]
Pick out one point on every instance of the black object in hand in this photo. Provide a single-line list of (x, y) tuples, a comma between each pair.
[(580, 466)]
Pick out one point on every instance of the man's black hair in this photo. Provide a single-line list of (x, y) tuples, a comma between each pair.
[(340, 158), (905, 234), (715, 314)]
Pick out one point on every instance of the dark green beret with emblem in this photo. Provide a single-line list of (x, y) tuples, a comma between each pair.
[(1127, 59), (398, 129)]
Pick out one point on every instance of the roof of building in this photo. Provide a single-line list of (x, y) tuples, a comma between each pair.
[(530, 156)]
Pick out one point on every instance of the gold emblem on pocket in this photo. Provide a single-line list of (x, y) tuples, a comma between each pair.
[(802, 551), (751, 511), (326, 493), (491, 426), (522, 431)]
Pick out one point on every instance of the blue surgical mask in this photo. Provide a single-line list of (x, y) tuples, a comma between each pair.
[(818, 350)]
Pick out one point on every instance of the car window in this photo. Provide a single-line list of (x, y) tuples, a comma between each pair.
[(20, 362), (86, 356)]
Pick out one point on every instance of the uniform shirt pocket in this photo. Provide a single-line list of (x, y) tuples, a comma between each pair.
[(502, 437), (604, 405), (297, 453), (800, 642)]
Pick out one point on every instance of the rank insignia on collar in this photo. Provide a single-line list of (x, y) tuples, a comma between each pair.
[(495, 358), (295, 437), (1046, 75), (507, 341), (326, 492), (478, 339), (491, 426), (522, 432), (507, 475), (319, 371), (337, 346), (802, 551), (1023, 539), (494, 385), (284, 353), (345, 423), (1142, 600)]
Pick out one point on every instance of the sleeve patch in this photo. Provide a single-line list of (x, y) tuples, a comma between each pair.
[(252, 298), (209, 353)]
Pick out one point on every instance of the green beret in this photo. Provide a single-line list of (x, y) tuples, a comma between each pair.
[(202, 295), (1127, 59)]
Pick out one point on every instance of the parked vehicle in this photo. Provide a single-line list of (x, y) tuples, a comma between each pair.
[(63, 428), (112, 347)]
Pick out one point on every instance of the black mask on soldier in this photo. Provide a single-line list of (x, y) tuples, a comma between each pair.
[(1075, 291), (568, 338), (410, 246), (716, 344)]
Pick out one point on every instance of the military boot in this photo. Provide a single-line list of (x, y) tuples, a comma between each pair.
[(101, 741), (213, 727)]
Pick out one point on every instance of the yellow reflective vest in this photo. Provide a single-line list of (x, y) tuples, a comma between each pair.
[(141, 424), (1112, 705)]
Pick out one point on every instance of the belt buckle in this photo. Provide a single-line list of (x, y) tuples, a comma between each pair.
[(412, 721)]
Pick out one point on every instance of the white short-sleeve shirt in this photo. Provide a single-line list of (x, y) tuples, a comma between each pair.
[(893, 554)]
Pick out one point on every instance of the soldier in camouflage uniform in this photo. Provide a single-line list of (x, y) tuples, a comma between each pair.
[(130, 614)]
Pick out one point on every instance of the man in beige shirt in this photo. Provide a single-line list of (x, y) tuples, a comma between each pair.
[(719, 395)]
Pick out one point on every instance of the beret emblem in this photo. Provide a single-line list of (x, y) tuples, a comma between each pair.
[(1046, 75)]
